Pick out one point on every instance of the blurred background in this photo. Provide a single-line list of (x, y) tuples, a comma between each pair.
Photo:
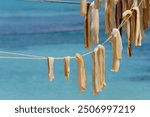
[(51, 29)]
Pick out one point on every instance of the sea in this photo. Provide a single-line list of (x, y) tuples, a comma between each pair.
[(53, 29)]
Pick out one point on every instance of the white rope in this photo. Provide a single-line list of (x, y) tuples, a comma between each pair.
[(34, 57), (22, 58), (54, 1), (20, 54)]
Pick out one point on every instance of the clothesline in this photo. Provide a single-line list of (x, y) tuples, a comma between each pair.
[(34, 57), (55, 1), (23, 58)]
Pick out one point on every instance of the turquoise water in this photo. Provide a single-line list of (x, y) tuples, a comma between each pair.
[(57, 30)]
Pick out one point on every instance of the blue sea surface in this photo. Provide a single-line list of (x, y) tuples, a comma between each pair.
[(49, 29)]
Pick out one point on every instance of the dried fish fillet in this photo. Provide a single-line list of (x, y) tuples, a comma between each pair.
[(117, 49), (107, 18), (95, 24), (96, 73), (98, 69), (126, 15), (101, 54), (67, 66), (81, 73), (110, 22), (137, 32), (83, 7), (87, 35), (50, 61)]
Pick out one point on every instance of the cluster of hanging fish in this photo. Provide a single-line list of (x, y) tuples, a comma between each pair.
[(98, 70), (115, 12), (91, 30)]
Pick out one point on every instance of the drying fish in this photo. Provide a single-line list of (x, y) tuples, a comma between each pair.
[(127, 14), (96, 73), (117, 49), (67, 66), (81, 73), (87, 36), (109, 16), (118, 13), (137, 32), (83, 7), (98, 69), (95, 24), (50, 61), (101, 54)]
